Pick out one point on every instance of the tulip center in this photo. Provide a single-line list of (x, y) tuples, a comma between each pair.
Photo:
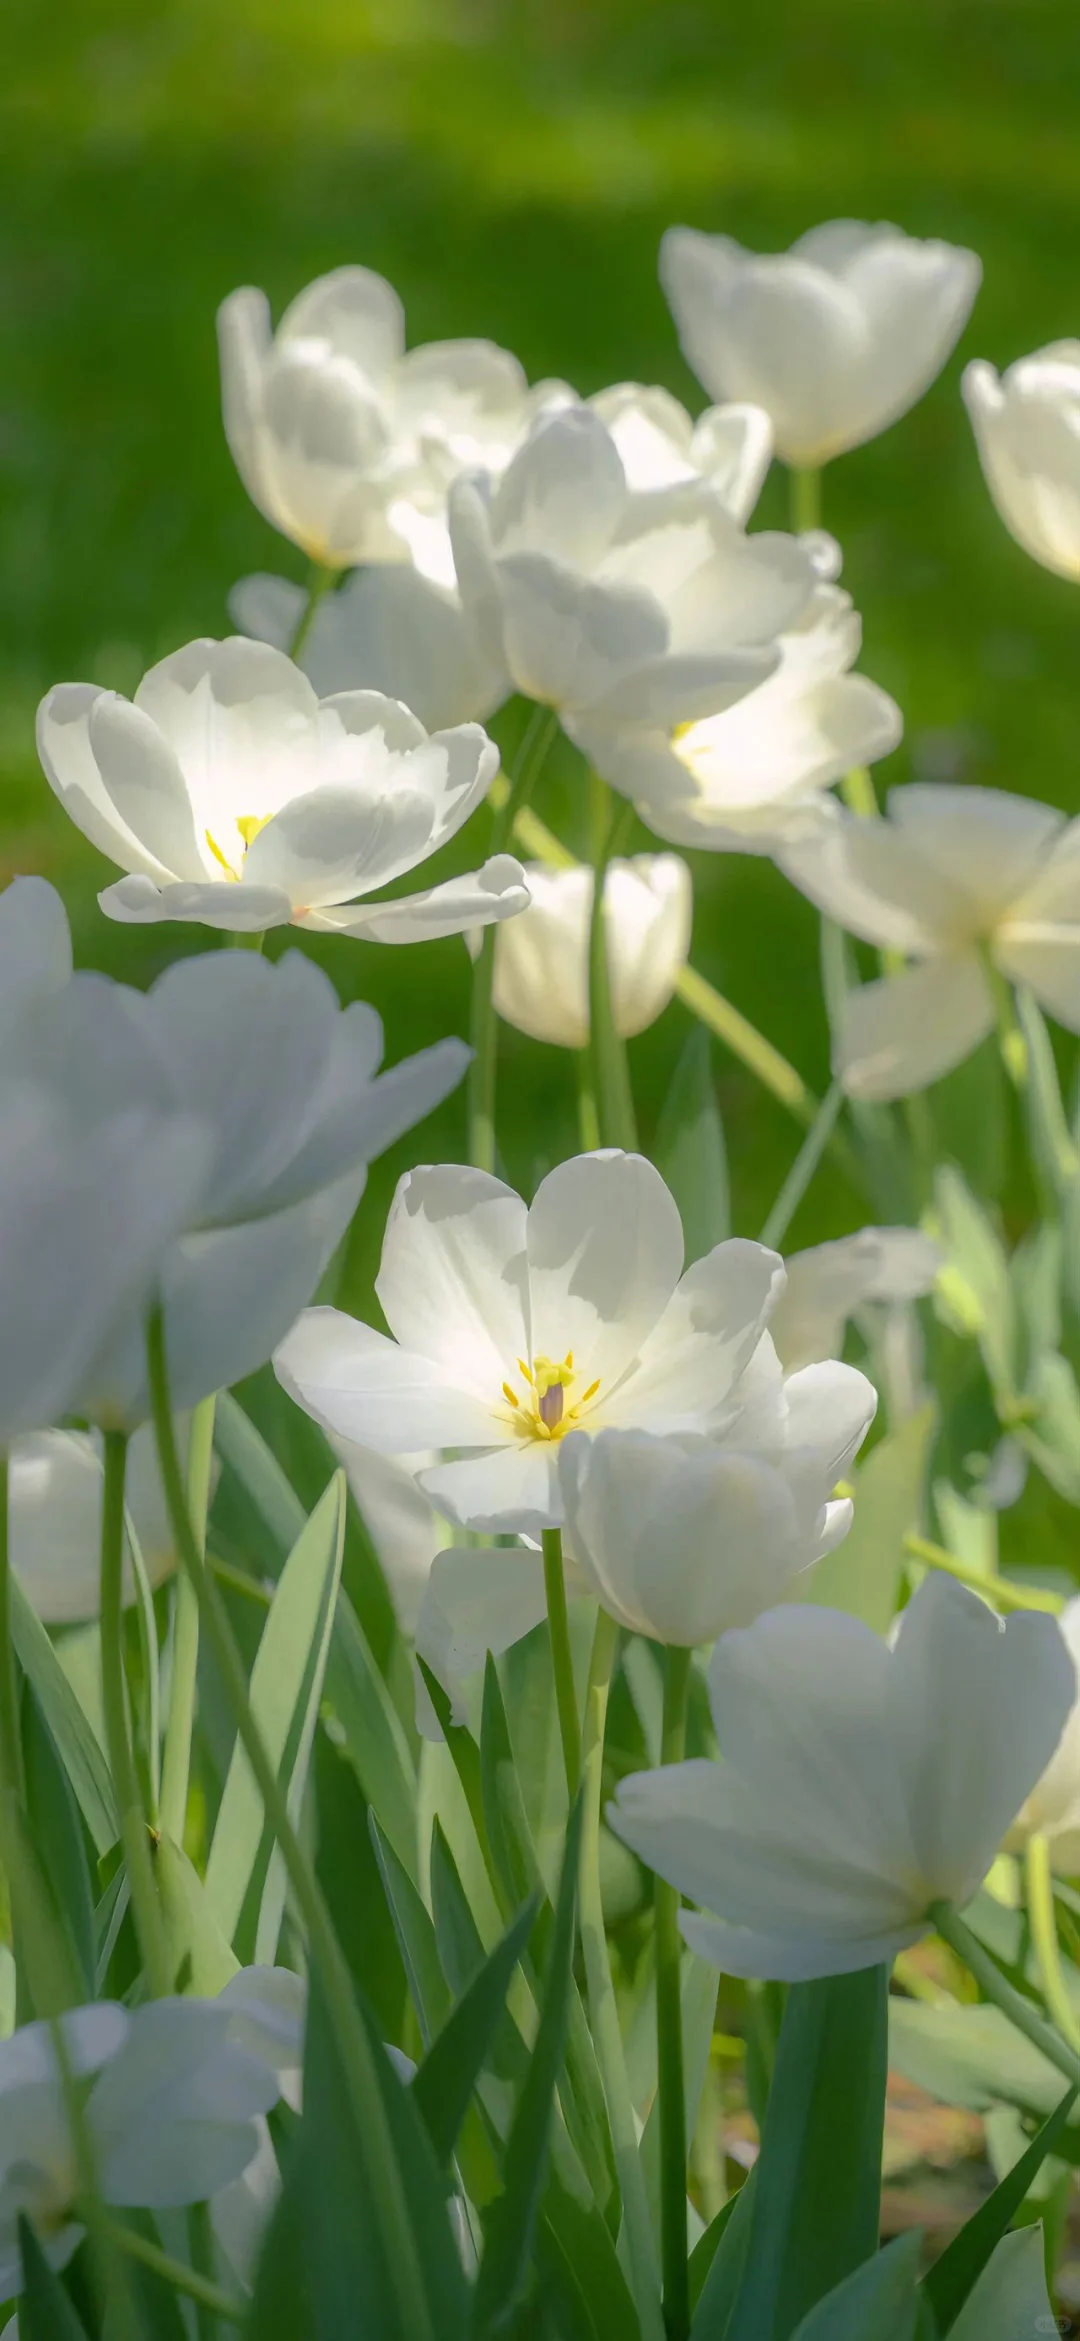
[(542, 1410), (249, 825)]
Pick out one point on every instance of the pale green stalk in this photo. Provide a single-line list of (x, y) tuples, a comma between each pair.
[(320, 580), (669, 2040), (11, 1764), (183, 2279), (350, 2036), (1013, 1046), (857, 790), (955, 1931), (562, 1658), (251, 939), (999, 1590), (611, 1078), (803, 1168), (507, 802), (804, 487), (600, 1990), (201, 2254), (134, 1833), (185, 1655), (1040, 1902), (588, 1118)]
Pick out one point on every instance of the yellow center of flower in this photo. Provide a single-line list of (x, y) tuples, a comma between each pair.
[(542, 1412), (249, 826)]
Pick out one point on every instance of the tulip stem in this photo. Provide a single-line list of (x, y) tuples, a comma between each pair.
[(805, 497), (562, 1658), (508, 800), (373, 2133), (11, 1764), (669, 2040), (603, 2005), (134, 1834), (1040, 1902), (999, 1590), (176, 1772), (182, 2278), (611, 1078), (858, 792), (955, 1931), (320, 580), (803, 1168), (588, 1118), (1011, 1041)]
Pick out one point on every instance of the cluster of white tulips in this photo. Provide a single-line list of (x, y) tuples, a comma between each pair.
[(377, 1880)]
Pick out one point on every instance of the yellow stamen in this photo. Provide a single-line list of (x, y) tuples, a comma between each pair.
[(250, 825), (590, 1392), (510, 1395), (215, 849)]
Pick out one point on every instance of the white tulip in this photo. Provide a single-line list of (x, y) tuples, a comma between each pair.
[(542, 958), (54, 1507), (649, 606), (835, 339), (386, 629), (235, 798), (745, 780), (728, 447), (513, 1326), (1027, 430), (348, 443), (402, 1523), (1053, 1808), (859, 1783), (955, 878), (171, 2113), (827, 1284)]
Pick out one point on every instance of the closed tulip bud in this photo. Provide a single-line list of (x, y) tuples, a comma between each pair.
[(542, 957), (1027, 429), (1053, 1808)]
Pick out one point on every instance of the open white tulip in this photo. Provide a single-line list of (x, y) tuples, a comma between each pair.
[(385, 629), (729, 447), (235, 798), (542, 958), (54, 1510), (968, 883), (512, 1326), (858, 1784), (648, 606), (171, 2114), (1053, 1808), (348, 443), (827, 1284), (746, 779), (1027, 430), (835, 339)]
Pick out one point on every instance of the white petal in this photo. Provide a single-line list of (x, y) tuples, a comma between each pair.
[(569, 638), (362, 1387), (35, 949), (866, 875), (798, 1956), (358, 313), (70, 767), (900, 1033), (733, 447), (172, 2116), (983, 840), (243, 723), (509, 1490), (605, 1248), (497, 891), (541, 959), (701, 1344), (477, 1600), (386, 626), (404, 1528), (338, 842), (245, 340), (676, 688), (452, 1281), (1029, 447), (563, 491), (830, 1408), (828, 1282), (237, 910)]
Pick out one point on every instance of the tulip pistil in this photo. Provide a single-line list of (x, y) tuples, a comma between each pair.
[(545, 1414)]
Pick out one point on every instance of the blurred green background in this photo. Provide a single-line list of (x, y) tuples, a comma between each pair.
[(511, 168)]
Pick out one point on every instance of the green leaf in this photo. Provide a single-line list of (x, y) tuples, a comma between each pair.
[(371, 1734), (57, 1831), (716, 2270), (516, 1870), (353, 1888), (880, 2302), (817, 2199), (953, 2277), (464, 1753), (75, 1743), (416, 1938), (445, 2080), (46, 2312), (689, 1150), (512, 2220), (974, 1289), (245, 1451), (1010, 2297), (863, 1574), (1052, 1144), (245, 1880), (198, 1956), (971, 2057), (1053, 1440)]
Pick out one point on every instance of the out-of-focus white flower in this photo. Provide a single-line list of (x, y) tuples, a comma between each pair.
[(235, 798), (859, 1784), (641, 607), (385, 629), (746, 779), (542, 958), (827, 1284), (348, 442), (513, 1326), (54, 1504), (171, 2114), (835, 339), (729, 447), (954, 878), (1027, 430), (1053, 1808)]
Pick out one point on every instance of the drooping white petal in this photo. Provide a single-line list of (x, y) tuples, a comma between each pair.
[(497, 891), (990, 844), (172, 2117), (478, 1599), (903, 1031), (237, 910), (827, 1283), (508, 1489), (866, 875)]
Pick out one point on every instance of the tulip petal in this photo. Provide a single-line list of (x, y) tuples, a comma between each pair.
[(982, 840), (904, 1031), (238, 910), (509, 1489), (497, 891), (699, 1346), (868, 877), (357, 312), (478, 1600), (338, 842), (562, 493), (605, 1246), (452, 1281), (243, 724), (362, 1387), (71, 769)]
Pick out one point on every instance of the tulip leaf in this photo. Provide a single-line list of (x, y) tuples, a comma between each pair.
[(242, 1447), (1053, 1147), (445, 2080), (464, 1753), (57, 1831), (416, 1938), (880, 2302), (245, 1881), (971, 2057), (198, 1957), (512, 2220), (46, 2309), (689, 1150), (371, 1734), (73, 1737), (717, 2264), (974, 1289), (817, 2200), (953, 2277), (863, 1574), (1010, 2297)]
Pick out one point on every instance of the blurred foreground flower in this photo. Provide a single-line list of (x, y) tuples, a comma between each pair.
[(54, 1508), (829, 1283), (728, 447), (973, 885), (513, 1326), (1027, 428), (542, 958), (1053, 1808), (859, 1784), (236, 798), (835, 339)]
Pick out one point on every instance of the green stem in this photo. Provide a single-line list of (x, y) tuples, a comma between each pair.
[(1040, 1902), (1014, 1048), (185, 1657), (603, 2006), (353, 2046), (183, 2279), (320, 580), (803, 1168), (999, 1590), (11, 1764), (247, 939), (669, 2041), (562, 1660), (588, 1118), (508, 802), (857, 790), (201, 2253), (955, 1931), (611, 1080), (134, 1834), (804, 487)]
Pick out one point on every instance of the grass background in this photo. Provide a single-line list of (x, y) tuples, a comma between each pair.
[(511, 168)]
